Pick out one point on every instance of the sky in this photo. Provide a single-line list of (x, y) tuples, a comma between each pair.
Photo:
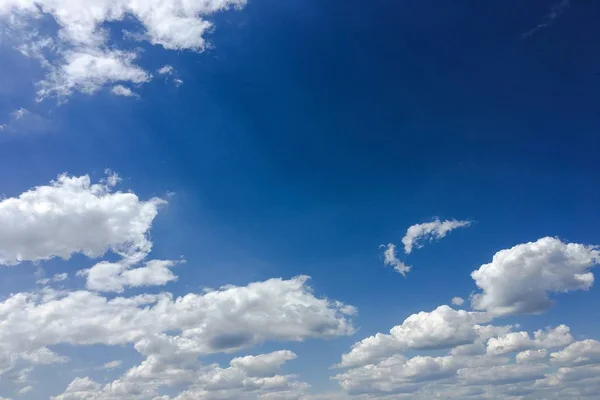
[(308, 200)]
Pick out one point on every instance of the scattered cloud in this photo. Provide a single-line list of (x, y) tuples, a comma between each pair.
[(165, 70), (81, 57), (121, 90), (178, 82), (458, 301), (390, 258), (20, 113), (25, 390), (555, 12), (520, 279), (112, 364), (56, 278), (416, 234)]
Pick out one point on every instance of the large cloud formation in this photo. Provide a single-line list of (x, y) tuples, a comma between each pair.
[(443, 353), (478, 359), (81, 56)]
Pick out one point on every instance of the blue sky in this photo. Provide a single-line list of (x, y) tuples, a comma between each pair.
[(290, 139)]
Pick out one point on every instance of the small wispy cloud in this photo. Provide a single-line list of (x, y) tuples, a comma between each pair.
[(554, 13), (165, 70), (436, 229), (390, 258), (20, 113), (121, 90), (22, 121)]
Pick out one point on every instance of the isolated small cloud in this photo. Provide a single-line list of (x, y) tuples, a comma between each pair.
[(390, 258), (436, 229), (458, 301), (56, 278), (555, 12), (20, 113), (178, 82), (121, 90), (112, 364), (165, 70)]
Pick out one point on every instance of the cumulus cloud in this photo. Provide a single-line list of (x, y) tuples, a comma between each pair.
[(521, 279), (81, 57), (530, 356), (584, 352), (73, 215), (416, 234), (518, 341), (115, 277), (390, 258), (441, 328)]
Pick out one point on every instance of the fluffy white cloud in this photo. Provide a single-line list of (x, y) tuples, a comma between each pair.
[(531, 355), (72, 215), (518, 341), (252, 377), (390, 258), (584, 352), (436, 229), (441, 328), (520, 279), (88, 70), (115, 277), (223, 320), (78, 57)]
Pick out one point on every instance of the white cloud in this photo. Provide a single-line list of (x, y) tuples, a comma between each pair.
[(520, 279), (502, 374), (218, 321), (56, 278), (25, 390), (458, 301), (78, 57), (441, 328), (115, 277), (121, 90), (244, 380), (20, 113), (112, 364), (518, 341), (178, 82), (165, 70), (72, 215), (584, 352), (531, 355), (436, 229), (88, 70), (391, 259)]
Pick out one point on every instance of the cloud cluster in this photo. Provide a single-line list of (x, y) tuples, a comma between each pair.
[(443, 353), (82, 56), (484, 360)]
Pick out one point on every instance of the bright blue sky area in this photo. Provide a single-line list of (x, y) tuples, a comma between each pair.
[(314, 131)]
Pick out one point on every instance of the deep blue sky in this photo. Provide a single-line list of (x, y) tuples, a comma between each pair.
[(312, 133)]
